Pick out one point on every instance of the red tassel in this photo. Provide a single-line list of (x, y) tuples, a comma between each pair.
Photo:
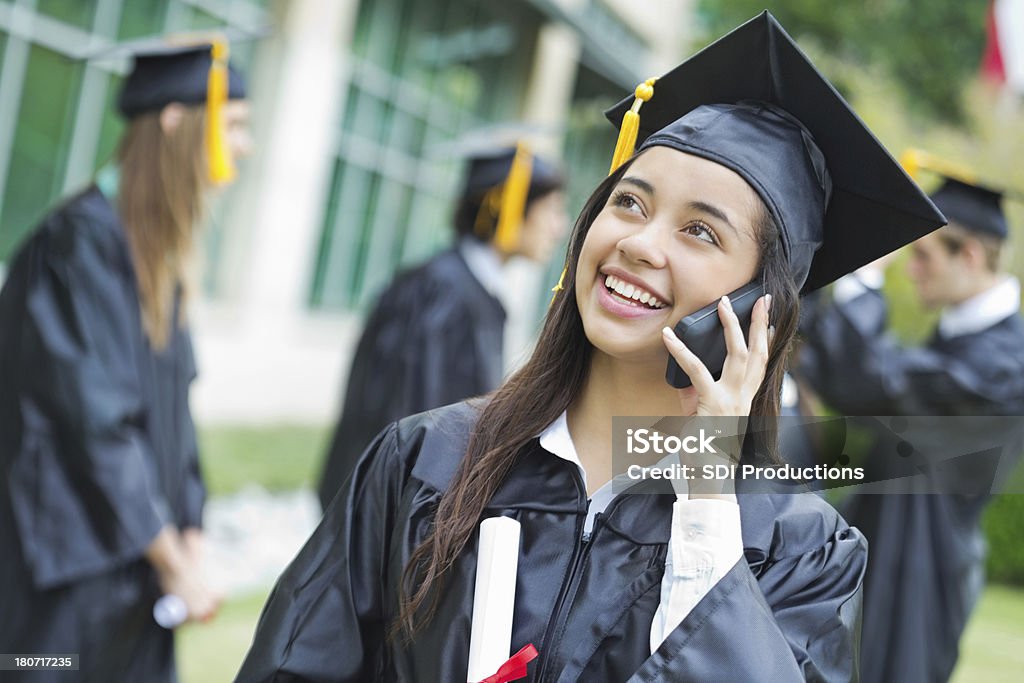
[(515, 667)]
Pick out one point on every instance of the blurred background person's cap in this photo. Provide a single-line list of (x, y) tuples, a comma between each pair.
[(970, 202), (176, 72)]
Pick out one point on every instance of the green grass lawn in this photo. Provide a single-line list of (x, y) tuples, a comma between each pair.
[(212, 653), (991, 650), (278, 458)]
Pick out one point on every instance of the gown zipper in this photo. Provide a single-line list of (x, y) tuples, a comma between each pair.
[(567, 595), (579, 543)]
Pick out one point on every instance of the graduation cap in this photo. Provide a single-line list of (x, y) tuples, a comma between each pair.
[(164, 74), (964, 200), (754, 103), (190, 69), (503, 178)]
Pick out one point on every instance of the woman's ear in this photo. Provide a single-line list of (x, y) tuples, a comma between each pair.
[(170, 118)]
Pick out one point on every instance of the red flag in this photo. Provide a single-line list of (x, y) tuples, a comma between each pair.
[(1003, 60), (992, 60)]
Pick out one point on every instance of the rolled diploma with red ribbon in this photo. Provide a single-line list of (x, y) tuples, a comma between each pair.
[(490, 641)]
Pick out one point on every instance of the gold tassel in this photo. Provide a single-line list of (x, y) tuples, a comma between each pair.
[(915, 160), (559, 287), (626, 143), (218, 153), (513, 201), (910, 163), (490, 206)]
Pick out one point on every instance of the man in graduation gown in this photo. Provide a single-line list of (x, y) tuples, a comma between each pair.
[(925, 568), (101, 496), (435, 335)]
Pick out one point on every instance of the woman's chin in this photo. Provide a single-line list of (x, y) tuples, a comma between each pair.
[(627, 350)]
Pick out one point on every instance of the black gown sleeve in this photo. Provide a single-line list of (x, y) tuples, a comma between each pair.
[(324, 619), (193, 488), (798, 621), (193, 493), (858, 368), (449, 367), (84, 492), (414, 355)]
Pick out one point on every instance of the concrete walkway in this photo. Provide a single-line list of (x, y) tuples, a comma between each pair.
[(252, 535)]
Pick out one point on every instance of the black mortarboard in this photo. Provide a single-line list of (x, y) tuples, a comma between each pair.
[(976, 208), (489, 169), (162, 74), (504, 180), (971, 204), (186, 70), (753, 102)]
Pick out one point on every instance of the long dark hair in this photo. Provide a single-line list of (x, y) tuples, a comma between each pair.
[(161, 202), (536, 395)]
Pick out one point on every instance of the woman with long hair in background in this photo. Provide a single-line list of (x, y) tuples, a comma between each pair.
[(101, 502)]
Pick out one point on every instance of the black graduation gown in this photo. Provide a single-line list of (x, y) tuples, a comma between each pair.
[(925, 569), (789, 611), (97, 447), (434, 337)]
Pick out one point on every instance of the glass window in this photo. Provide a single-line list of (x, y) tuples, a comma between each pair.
[(76, 12), (196, 19), (112, 125), (41, 140), (141, 18), (424, 74), (42, 129), (347, 210)]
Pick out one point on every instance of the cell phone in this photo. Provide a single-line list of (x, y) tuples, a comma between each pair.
[(703, 334)]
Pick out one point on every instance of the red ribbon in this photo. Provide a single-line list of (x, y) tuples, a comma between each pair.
[(515, 667)]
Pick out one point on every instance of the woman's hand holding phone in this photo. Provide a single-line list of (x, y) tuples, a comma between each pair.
[(742, 375)]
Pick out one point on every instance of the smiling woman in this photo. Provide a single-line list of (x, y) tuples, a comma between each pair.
[(675, 241), (744, 173)]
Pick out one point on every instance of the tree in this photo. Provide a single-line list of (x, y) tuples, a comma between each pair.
[(932, 48)]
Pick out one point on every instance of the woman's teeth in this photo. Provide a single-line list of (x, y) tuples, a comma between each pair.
[(631, 292)]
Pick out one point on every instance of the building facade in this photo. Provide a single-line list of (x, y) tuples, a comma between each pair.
[(359, 107)]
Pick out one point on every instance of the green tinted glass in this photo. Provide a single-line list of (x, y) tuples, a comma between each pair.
[(41, 141), (141, 18), (76, 12)]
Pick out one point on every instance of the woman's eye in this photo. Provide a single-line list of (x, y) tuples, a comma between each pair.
[(627, 201), (701, 231)]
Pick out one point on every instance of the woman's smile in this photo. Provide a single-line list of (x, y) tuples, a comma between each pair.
[(625, 295)]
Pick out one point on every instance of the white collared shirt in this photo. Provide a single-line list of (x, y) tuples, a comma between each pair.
[(978, 313), (982, 310), (849, 287), (705, 542)]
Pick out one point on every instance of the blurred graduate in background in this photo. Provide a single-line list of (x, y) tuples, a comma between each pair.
[(436, 333), (101, 502), (926, 560)]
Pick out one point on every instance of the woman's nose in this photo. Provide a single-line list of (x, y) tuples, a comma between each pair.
[(642, 247)]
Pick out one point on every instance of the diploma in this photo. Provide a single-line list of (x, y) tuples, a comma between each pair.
[(490, 641)]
